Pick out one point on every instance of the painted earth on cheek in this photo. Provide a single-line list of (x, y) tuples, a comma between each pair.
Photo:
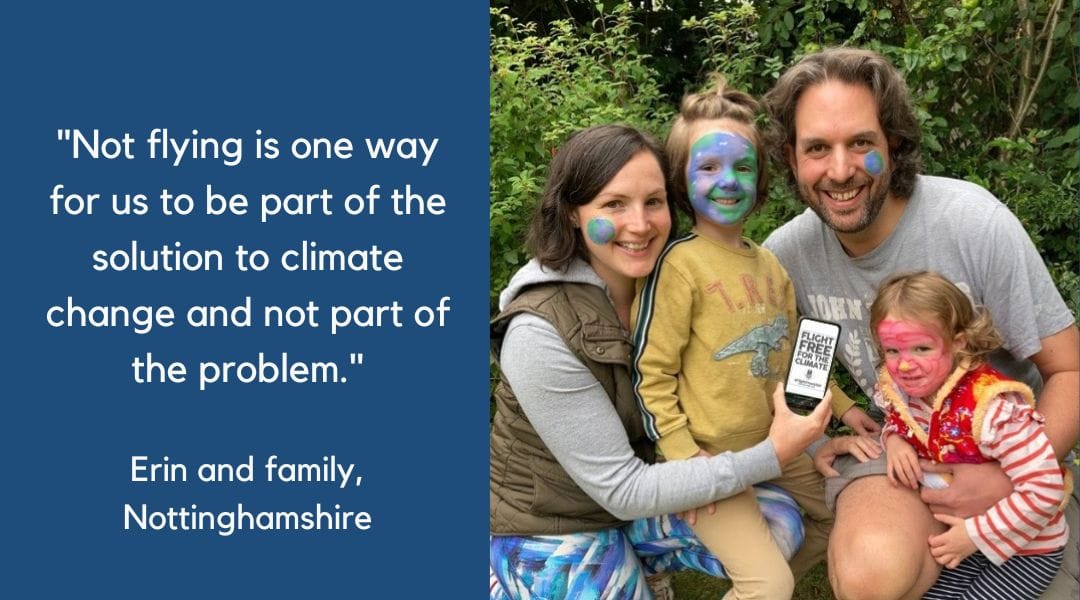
[(874, 162), (600, 230)]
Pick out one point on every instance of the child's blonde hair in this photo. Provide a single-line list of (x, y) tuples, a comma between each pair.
[(717, 102), (927, 297)]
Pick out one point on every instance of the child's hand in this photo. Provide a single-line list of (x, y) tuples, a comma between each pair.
[(954, 545), (903, 463), (860, 422), (690, 516), (863, 448)]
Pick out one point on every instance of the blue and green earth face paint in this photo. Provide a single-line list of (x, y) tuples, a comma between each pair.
[(874, 163), (600, 230), (722, 177)]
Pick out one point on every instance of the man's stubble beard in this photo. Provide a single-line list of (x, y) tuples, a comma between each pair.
[(879, 191)]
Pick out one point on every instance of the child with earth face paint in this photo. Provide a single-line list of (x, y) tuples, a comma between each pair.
[(713, 336), (945, 404), (579, 508)]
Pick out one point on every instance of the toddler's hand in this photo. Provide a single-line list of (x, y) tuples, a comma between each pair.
[(953, 546), (902, 462)]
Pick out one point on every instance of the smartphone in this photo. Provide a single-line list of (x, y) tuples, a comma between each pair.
[(811, 363)]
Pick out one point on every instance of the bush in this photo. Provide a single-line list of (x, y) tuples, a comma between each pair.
[(543, 88), (994, 84)]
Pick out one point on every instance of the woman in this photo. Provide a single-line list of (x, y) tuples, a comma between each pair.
[(570, 461)]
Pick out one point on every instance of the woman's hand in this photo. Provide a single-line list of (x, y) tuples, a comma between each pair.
[(791, 433), (862, 447), (903, 463), (860, 422)]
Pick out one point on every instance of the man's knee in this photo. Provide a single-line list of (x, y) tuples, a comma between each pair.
[(866, 582), (878, 547), (860, 570)]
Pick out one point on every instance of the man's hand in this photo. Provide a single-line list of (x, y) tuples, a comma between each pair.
[(953, 546), (860, 422), (791, 433), (903, 463), (972, 491), (690, 516), (863, 448)]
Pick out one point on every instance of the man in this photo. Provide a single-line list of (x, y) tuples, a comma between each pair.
[(844, 126)]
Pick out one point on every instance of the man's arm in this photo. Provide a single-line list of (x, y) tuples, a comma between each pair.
[(1059, 363)]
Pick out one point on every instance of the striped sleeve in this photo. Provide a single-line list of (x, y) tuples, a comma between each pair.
[(879, 400), (1028, 519), (661, 333), (920, 412)]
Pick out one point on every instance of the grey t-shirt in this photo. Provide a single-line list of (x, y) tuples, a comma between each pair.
[(950, 226)]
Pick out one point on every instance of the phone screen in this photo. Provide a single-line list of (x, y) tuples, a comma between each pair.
[(811, 362)]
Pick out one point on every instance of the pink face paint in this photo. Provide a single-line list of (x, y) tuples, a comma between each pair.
[(600, 230), (916, 356)]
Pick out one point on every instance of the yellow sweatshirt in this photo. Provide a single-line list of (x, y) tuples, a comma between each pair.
[(713, 327)]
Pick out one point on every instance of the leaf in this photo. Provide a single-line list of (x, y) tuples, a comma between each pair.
[(789, 21), (1058, 72), (1068, 137)]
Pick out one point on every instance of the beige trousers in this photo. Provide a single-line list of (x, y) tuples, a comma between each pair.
[(738, 535)]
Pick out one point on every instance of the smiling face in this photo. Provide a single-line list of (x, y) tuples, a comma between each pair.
[(840, 156), (626, 225), (722, 173), (917, 357)]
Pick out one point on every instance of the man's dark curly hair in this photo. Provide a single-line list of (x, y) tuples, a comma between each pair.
[(858, 67)]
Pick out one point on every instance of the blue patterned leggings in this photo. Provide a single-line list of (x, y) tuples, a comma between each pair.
[(613, 563)]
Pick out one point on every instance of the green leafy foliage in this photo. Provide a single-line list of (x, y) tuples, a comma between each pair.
[(994, 83), (544, 87), (733, 45)]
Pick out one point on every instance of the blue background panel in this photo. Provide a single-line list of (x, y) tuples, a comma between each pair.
[(413, 418)]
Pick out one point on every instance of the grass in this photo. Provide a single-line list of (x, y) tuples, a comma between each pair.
[(699, 586)]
